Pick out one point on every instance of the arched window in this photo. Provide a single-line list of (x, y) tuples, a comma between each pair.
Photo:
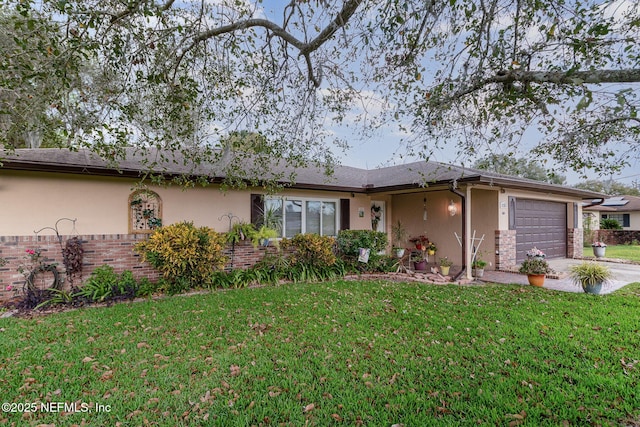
[(145, 211)]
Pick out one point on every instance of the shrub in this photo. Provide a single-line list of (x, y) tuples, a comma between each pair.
[(349, 241), (311, 249), (185, 255), (610, 224)]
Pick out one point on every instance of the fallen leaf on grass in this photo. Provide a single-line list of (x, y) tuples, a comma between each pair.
[(309, 407), (107, 375), (235, 370)]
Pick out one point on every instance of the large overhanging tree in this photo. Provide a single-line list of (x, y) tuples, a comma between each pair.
[(181, 76)]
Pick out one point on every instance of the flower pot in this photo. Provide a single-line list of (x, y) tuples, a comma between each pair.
[(536, 279), (596, 288), (264, 242), (599, 251), (430, 252), (399, 253), (420, 265), (444, 270), (478, 272)]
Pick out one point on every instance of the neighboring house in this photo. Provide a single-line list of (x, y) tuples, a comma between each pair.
[(506, 215), (624, 209)]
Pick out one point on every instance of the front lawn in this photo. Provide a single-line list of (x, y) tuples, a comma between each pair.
[(628, 252), (339, 353)]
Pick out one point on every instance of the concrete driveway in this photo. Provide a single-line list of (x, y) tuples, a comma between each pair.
[(623, 274)]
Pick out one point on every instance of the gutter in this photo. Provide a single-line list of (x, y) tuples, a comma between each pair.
[(596, 202), (463, 216)]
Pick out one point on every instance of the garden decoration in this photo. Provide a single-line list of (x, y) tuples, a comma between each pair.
[(599, 249), (536, 269), (376, 216)]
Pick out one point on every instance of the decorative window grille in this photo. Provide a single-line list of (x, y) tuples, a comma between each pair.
[(145, 211)]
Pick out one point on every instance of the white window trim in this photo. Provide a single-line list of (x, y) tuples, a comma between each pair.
[(304, 200)]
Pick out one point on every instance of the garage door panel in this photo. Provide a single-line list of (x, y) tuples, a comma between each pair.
[(541, 224)]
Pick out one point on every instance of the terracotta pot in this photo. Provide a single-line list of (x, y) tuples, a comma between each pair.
[(536, 279)]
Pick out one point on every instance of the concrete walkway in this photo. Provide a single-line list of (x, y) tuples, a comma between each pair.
[(623, 274)]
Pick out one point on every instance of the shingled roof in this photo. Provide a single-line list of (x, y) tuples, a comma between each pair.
[(403, 177), (618, 204)]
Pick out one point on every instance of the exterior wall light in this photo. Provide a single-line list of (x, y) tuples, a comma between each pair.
[(452, 208)]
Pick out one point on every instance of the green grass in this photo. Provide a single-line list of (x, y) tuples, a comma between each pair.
[(341, 353), (628, 252)]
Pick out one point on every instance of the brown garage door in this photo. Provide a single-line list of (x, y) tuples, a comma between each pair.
[(541, 224)]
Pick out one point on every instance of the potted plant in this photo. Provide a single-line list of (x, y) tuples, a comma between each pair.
[(399, 234), (599, 249), (478, 267), (263, 235), (376, 216), (445, 265), (536, 269), (419, 262), (535, 253), (240, 231), (421, 242), (432, 249), (591, 276)]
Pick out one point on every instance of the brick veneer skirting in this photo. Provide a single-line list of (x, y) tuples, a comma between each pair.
[(505, 249), (574, 242), (617, 237), (115, 250)]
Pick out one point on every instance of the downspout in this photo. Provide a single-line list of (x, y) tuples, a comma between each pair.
[(463, 216)]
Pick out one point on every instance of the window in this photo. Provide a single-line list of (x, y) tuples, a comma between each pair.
[(623, 219), (145, 212), (291, 216)]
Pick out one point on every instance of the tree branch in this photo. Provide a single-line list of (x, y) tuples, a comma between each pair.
[(305, 49), (548, 77), (348, 9)]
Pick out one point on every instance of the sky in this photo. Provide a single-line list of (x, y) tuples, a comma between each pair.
[(384, 148)]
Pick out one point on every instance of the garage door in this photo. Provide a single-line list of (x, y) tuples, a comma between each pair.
[(541, 224)]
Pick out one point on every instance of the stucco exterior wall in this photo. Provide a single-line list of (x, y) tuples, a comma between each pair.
[(30, 201), (439, 226), (484, 223)]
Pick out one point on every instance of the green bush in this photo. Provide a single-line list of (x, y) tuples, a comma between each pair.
[(185, 255), (146, 288), (349, 241), (610, 224), (311, 249)]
